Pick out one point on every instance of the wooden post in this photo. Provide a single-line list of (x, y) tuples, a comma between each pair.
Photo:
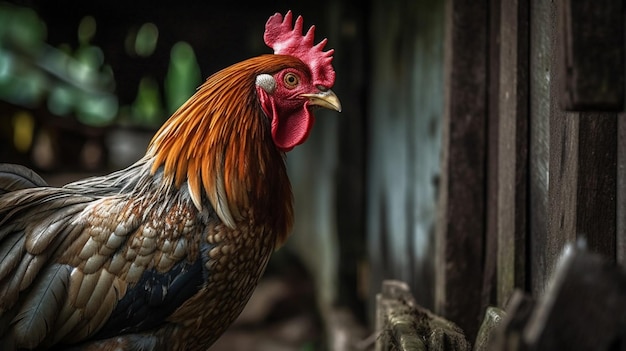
[(461, 224), (621, 190), (551, 151), (489, 287), (403, 325), (513, 149)]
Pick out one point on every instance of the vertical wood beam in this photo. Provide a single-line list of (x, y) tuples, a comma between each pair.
[(621, 191), (596, 203), (512, 149), (491, 231), (461, 225), (554, 151)]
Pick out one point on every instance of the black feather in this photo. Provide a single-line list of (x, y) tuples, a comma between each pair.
[(153, 298)]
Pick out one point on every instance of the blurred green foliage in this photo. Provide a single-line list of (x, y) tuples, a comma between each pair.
[(183, 75), (146, 39), (78, 82), (21, 34)]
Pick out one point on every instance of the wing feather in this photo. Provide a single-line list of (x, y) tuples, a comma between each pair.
[(37, 262), (14, 177), (41, 306), (103, 310), (87, 288), (54, 228), (78, 262), (10, 287), (11, 251)]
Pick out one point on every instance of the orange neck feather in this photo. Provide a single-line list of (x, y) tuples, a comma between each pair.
[(219, 141)]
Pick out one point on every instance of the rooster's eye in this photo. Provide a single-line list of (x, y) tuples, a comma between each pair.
[(291, 80)]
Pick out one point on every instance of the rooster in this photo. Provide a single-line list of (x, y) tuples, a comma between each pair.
[(163, 255)]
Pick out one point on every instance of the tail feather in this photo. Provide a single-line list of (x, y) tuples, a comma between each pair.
[(15, 177)]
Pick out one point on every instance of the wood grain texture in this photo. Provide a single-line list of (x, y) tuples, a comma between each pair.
[(461, 222), (513, 149), (540, 46), (591, 55), (573, 164), (493, 125), (596, 199), (621, 191)]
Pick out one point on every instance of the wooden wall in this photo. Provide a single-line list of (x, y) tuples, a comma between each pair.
[(530, 154)]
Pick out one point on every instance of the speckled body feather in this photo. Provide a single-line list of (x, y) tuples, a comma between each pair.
[(164, 254)]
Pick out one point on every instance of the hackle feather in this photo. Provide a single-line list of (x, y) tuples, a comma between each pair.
[(218, 142)]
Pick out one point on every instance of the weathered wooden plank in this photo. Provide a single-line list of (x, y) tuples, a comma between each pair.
[(513, 149), (541, 27), (596, 182), (621, 190), (576, 312), (563, 158), (554, 137), (564, 129), (580, 309), (396, 333), (592, 54), (461, 213), (572, 168), (518, 311), (350, 25), (404, 325), (489, 328), (491, 230), (583, 149)]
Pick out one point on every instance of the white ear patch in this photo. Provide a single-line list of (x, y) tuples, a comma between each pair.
[(266, 82)]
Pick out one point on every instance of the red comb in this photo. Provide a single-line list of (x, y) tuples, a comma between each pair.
[(288, 40)]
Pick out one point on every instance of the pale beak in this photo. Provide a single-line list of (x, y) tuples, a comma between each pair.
[(326, 99)]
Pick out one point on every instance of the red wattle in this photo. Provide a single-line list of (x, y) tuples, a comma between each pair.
[(292, 130)]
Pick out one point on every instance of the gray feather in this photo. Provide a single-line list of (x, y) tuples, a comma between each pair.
[(41, 306), (46, 234), (11, 251), (15, 177)]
